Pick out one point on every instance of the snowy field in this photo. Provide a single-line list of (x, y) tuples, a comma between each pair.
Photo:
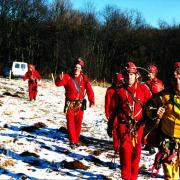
[(34, 143)]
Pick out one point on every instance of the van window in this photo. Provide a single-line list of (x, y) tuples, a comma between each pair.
[(23, 66), (17, 65)]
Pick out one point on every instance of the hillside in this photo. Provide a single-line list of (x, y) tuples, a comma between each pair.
[(34, 142)]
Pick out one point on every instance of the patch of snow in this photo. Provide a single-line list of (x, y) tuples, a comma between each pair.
[(44, 152)]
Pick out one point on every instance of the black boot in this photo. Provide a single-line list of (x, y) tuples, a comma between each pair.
[(73, 146)]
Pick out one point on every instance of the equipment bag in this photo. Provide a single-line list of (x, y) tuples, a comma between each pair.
[(151, 135), (84, 104)]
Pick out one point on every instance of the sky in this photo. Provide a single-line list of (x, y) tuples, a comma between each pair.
[(152, 10)]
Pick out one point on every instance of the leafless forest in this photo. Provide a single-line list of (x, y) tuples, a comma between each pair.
[(52, 36)]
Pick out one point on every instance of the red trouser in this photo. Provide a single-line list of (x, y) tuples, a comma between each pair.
[(74, 122), (32, 90), (116, 140), (129, 155)]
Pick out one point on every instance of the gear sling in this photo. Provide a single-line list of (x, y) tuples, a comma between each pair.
[(132, 124), (76, 104)]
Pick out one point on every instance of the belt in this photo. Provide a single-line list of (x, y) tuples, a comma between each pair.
[(73, 104), (136, 123), (32, 81)]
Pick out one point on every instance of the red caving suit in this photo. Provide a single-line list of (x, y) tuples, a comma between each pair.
[(155, 85), (130, 150), (74, 116), (32, 77), (109, 110)]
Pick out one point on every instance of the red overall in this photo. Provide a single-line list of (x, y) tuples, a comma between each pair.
[(32, 77), (109, 109), (130, 145), (75, 88)]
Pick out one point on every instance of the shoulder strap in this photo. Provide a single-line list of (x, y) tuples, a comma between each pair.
[(77, 85), (133, 97)]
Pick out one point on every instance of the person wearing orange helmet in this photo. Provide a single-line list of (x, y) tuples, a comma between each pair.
[(109, 109), (130, 100), (33, 76), (76, 86)]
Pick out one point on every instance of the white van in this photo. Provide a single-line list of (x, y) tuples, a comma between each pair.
[(16, 69), (19, 69)]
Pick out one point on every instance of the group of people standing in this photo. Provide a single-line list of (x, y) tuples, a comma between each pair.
[(124, 109), (130, 104)]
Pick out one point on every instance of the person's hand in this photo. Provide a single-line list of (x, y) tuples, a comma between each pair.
[(91, 104), (39, 83), (160, 112), (107, 119), (61, 75)]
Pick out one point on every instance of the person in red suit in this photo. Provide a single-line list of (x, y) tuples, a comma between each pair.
[(76, 86), (129, 102), (109, 108), (32, 75), (156, 86)]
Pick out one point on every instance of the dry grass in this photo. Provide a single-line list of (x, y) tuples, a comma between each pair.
[(100, 83)]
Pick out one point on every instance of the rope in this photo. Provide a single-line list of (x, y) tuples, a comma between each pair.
[(143, 69)]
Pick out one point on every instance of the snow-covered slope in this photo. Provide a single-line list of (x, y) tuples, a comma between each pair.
[(34, 143)]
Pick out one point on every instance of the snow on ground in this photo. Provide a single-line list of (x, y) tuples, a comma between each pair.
[(34, 143)]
